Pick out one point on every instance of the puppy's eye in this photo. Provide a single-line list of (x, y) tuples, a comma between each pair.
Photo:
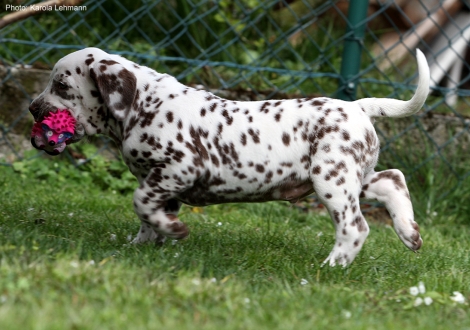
[(61, 85)]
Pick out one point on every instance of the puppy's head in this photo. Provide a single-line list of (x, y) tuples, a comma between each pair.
[(95, 87)]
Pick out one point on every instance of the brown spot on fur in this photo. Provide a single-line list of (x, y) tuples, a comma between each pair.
[(340, 181), (286, 139), (392, 176), (360, 223), (318, 103), (228, 119), (243, 139), (254, 136), (169, 116), (264, 107), (336, 216)]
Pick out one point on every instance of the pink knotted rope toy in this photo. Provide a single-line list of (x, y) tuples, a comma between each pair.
[(52, 134)]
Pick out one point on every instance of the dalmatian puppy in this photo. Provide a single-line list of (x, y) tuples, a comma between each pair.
[(189, 146)]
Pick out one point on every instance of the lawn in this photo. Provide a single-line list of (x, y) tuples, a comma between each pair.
[(66, 263)]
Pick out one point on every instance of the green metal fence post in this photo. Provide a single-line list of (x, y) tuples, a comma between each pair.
[(351, 60)]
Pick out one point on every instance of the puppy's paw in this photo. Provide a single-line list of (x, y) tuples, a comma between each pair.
[(411, 236), (339, 257), (146, 234), (176, 229)]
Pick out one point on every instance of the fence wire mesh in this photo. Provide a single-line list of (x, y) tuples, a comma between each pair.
[(255, 49)]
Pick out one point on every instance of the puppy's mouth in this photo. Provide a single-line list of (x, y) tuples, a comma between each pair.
[(52, 152)]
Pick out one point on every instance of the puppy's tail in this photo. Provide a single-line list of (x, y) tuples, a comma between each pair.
[(384, 107)]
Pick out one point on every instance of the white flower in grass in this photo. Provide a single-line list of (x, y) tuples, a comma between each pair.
[(414, 291), (176, 255), (129, 237), (219, 224), (346, 314), (31, 209), (247, 300), (421, 288), (213, 280), (74, 264), (112, 237), (91, 262), (320, 234), (174, 242), (303, 281), (70, 214), (196, 281), (458, 297), (427, 301), (418, 301)]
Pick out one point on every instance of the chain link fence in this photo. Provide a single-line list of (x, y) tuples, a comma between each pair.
[(263, 49)]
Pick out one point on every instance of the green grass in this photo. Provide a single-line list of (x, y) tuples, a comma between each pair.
[(61, 269)]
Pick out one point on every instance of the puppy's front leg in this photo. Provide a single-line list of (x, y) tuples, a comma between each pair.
[(156, 207), (146, 232)]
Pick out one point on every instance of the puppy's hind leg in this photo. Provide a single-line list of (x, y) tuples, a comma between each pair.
[(389, 187)]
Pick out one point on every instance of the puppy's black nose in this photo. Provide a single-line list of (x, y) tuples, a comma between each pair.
[(51, 143), (33, 108)]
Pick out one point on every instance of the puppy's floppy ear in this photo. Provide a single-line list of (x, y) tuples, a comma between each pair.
[(116, 84)]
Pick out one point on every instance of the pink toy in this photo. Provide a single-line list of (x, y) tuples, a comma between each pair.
[(52, 134)]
